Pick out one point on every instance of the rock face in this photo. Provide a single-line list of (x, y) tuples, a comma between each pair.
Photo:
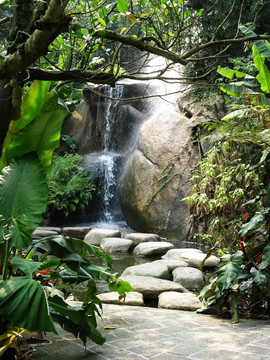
[(156, 176)]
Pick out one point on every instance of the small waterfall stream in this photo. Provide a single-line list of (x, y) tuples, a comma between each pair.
[(106, 164)]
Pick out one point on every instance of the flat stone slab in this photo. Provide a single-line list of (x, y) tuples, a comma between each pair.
[(171, 264), (78, 232), (154, 269), (189, 277), (50, 228), (40, 234), (132, 298), (95, 236), (138, 238), (116, 245), (178, 301), (152, 248), (193, 257), (152, 287)]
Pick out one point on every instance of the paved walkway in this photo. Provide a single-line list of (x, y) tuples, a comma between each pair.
[(149, 333)]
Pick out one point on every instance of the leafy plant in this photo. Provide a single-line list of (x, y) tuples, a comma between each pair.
[(241, 284), (29, 296), (70, 188)]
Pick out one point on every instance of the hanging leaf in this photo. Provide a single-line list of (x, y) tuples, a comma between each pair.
[(23, 302), (122, 6), (132, 18), (264, 74), (228, 269), (254, 222), (262, 46), (229, 73), (23, 199)]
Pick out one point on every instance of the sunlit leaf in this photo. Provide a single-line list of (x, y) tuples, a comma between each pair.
[(132, 18), (122, 6)]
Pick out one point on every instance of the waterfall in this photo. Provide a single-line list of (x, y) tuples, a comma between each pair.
[(105, 165)]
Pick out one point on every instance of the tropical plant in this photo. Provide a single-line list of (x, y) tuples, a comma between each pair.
[(241, 284), (29, 297), (70, 188)]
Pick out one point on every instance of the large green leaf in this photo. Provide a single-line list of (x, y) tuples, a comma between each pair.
[(42, 135), (23, 302), (228, 269), (75, 320), (122, 6), (27, 266), (258, 218), (229, 73), (262, 46), (258, 276), (23, 198), (32, 104), (264, 74)]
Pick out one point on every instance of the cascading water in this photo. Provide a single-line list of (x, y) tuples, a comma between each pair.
[(105, 165)]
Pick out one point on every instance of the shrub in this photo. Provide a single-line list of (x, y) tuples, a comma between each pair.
[(70, 188)]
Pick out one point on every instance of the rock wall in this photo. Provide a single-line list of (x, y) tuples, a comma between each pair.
[(157, 175)]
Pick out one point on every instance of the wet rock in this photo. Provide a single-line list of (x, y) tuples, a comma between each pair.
[(193, 257), (178, 301), (40, 233), (151, 287), (95, 236), (152, 248), (116, 245), (78, 232), (189, 277), (138, 238), (132, 298), (171, 264), (154, 269)]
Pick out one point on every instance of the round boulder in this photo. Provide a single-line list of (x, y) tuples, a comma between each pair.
[(138, 238), (154, 269), (152, 248), (116, 245), (95, 236), (189, 277)]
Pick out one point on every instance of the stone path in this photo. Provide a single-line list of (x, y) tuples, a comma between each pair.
[(149, 333)]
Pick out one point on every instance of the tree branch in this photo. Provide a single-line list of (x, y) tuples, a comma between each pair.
[(37, 44)]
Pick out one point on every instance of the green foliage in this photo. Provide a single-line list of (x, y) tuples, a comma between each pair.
[(241, 285), (70, 188)]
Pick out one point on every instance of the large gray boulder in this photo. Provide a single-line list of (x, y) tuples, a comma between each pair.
[(152, 287), (116, 245), (95, 236), (193, 257), (189, 277), (138, 238), (154, 269), (156, 176), (151, 248)]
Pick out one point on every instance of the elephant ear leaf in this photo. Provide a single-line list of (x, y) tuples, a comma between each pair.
[(23, 302), (23, 199)]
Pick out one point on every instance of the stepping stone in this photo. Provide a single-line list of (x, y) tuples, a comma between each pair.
[(193, 257), (132, 298), (171, 264), (154, 269), (95, 236), (76, 232), (151, 287), (189, 277), (178, 301), (40, 234), (116, 245), (50, 228), (138, 238), (152, 248)]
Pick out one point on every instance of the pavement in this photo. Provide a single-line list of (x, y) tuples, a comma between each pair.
[(135, 333)]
